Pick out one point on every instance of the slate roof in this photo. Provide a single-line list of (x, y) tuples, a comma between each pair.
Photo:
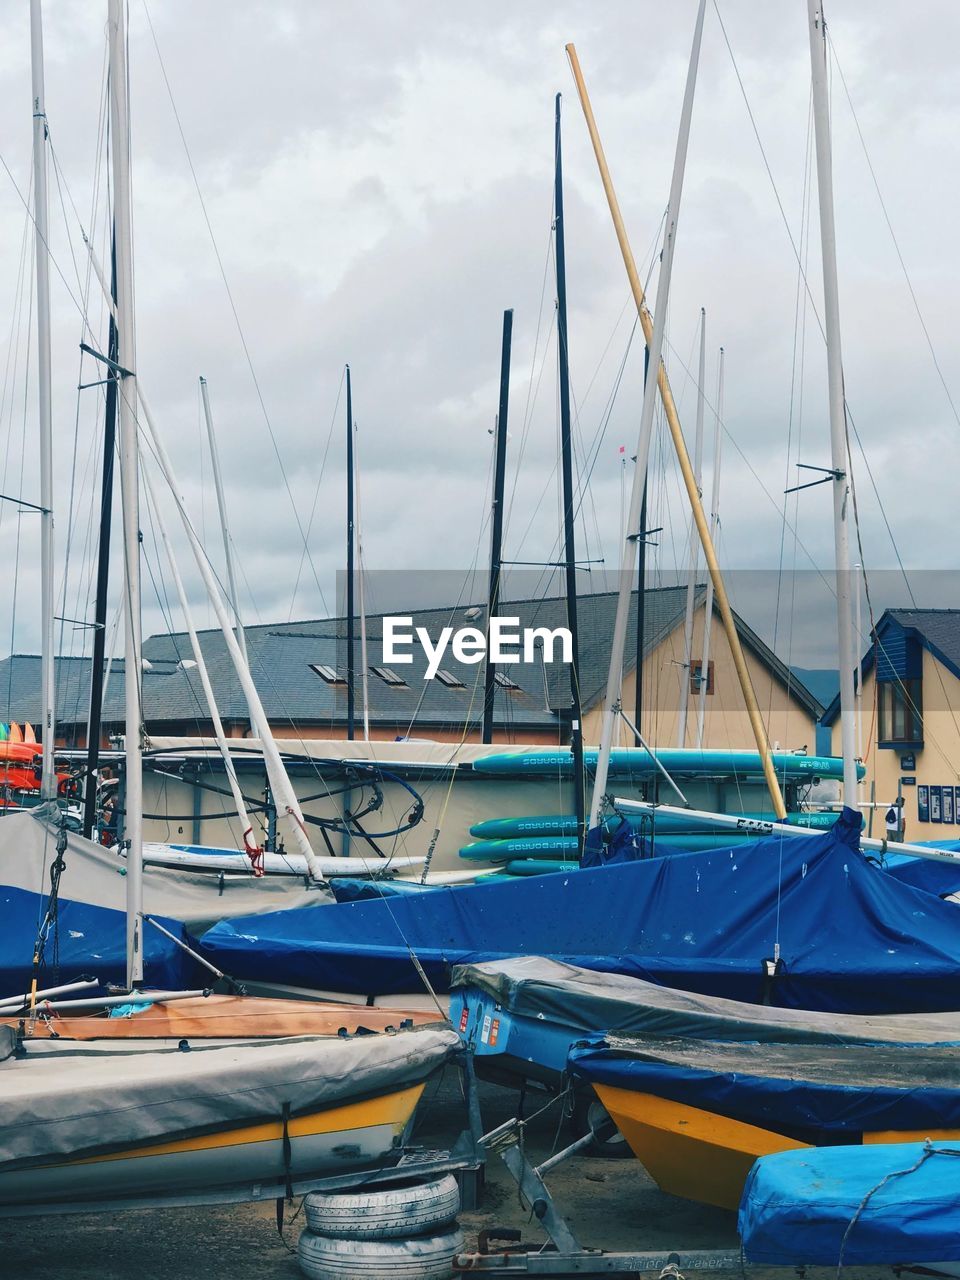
[(281, 656), (938, 630)]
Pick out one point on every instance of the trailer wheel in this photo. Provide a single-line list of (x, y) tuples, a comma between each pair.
[(590, 1116), (397, 1210), (420, 1258)]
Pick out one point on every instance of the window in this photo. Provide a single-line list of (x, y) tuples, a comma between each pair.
[(696, 676), (504, 681), (389, 676), (900, 715), (449, 679), (330, 674)]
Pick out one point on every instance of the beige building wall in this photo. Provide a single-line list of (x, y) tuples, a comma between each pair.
[(726, 724), (937, 762)]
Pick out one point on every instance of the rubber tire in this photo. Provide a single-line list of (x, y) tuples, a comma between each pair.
[(589, 1113), (420, 1258), (406, 1210)]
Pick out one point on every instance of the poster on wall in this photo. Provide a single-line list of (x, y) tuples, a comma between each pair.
[(948, 809), (936, 804), (923, 804)]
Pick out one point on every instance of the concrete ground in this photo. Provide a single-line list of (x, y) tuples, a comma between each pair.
[(609, 1203)]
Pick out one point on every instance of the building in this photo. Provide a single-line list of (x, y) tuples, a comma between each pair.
[(300, 672), (910, 717)]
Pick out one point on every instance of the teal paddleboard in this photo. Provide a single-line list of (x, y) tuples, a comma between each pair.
[(681, 762)]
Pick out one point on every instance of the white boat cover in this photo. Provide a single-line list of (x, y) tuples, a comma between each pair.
[(94, 875), (585, 1000), (66, 1100)]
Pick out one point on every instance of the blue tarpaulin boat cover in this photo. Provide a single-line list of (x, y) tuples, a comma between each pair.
[(86, 941), (903, 1201), (814, 1093), (851, 939), (936, 877)]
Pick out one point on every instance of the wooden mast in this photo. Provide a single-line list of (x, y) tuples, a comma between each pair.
[(686, 468)]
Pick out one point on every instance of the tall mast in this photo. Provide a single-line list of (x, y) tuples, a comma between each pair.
[(129, 485), (351, 540), (714, 522), (641, 617), (224, 519), (48, 777), (569, 497), (694, 546), (655, 343), (95, 718), (838, 422), (224, 527), (496, 523), (641, 593)]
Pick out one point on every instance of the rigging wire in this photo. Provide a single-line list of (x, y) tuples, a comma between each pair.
[(233, 307)]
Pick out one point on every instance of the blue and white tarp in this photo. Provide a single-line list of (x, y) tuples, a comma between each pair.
[(850, 938)]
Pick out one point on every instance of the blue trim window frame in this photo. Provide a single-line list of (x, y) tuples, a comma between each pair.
[(900, 712)]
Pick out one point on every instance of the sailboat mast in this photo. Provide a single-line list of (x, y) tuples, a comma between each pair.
[(48, 777), (839, 452), (129, 487), (95, 717), (569, 497), (694, 546), (714, 522), (224, 519), (655, 343), (496, 520), (351, 540)]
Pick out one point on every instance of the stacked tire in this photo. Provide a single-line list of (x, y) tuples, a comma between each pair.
[(405, 1231)]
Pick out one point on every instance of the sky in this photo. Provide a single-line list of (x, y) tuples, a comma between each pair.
[(375, 188)]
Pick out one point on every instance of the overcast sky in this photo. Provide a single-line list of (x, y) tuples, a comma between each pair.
[(378, 178)]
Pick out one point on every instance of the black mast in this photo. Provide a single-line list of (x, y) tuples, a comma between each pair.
[(496, 537), (566, 458), (95, 717), (641, 591), (350, 545)]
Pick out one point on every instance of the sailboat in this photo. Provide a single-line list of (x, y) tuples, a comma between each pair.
[(138, 1108), (698, 1113)]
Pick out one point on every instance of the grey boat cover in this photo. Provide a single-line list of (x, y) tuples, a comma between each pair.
[(585, 1000), (67, 1100), (95, 876)]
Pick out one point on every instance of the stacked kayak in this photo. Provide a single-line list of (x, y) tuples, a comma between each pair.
[(680, 762), (550, 839)]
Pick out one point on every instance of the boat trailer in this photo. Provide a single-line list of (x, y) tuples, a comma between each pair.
[(502, 1252)]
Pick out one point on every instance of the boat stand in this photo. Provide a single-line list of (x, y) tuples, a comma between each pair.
[(565, 1255)]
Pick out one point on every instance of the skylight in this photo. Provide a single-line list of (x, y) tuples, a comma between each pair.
[(504, 681), (449, 679), (388, 676), (328, 673)]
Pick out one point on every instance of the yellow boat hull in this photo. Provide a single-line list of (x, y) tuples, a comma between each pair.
[(701, 1155), (344, 1137)]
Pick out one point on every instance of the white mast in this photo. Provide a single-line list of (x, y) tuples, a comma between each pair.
[(279, 780), (224, 524), (129, 486), (48, 777), (225, 530), (838, 433), (694, 545), (629, 552), (364, 669), (714, 522), (250, 844)]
